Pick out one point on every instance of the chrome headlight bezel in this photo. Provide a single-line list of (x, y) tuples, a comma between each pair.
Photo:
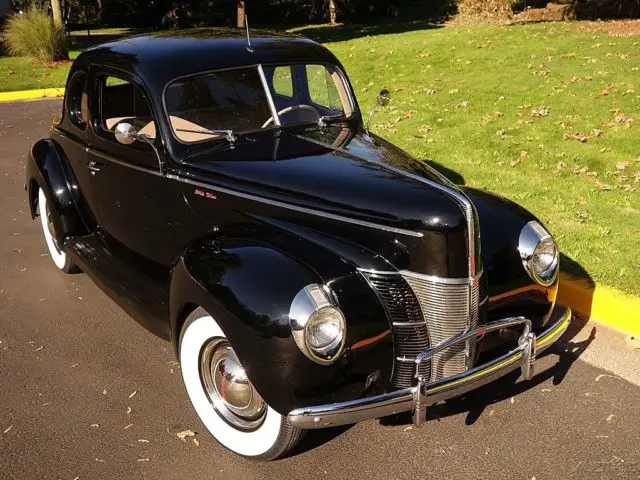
[(307, 309), (532, 237)]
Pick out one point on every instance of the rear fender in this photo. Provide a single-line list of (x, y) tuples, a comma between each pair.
[(47, 169)]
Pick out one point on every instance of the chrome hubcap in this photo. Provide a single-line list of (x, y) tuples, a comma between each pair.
[(228, 387)]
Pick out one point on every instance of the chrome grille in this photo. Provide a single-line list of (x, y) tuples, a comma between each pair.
[(424, 311), (410, 335), (448, 309)]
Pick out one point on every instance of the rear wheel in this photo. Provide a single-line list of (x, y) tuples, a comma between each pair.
[(223, 396), (56, 252)]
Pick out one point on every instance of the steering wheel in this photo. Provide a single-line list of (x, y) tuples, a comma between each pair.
[(302, 106)]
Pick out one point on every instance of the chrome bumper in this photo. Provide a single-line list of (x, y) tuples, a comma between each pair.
[(417, 398)]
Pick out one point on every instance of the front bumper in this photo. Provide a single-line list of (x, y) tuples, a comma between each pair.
[(417, 398)]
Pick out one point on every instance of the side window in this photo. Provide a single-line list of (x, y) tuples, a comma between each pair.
[(77, 103), (123, 102), (283, 81), (322, 88)]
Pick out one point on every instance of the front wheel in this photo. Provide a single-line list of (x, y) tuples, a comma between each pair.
[(56, 252), (223, 396)]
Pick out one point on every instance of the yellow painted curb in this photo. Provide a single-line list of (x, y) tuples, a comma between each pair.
[(31, 94), (601, 303)]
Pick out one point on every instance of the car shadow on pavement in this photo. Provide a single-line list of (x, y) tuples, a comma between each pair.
[(477, 401)]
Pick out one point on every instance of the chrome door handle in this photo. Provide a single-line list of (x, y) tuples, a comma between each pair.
[(94, 167)]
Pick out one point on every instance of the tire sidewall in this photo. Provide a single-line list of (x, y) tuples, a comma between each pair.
[(59, 258), (198, 329)]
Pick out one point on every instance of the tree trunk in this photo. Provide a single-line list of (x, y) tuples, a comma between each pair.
[(56, 8), (100, 12), (332, 12), (241, 13)]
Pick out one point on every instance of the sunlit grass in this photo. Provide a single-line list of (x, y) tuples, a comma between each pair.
[(542, 114)]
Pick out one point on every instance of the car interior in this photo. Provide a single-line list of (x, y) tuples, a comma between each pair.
[(231, 99)]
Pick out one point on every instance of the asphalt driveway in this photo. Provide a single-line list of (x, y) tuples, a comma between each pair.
[(87, 393)]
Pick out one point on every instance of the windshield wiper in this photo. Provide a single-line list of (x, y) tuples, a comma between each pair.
[(322, 121), (228, 134)]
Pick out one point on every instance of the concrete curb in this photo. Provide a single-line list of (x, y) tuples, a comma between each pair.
[(31, 94), (602, 304)]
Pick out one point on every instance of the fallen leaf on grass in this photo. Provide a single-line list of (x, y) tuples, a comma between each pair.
[(577, 136), (541, 111), (603, 187), (623, 164), (184, 434)]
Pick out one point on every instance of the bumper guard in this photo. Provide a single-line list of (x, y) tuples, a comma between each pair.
[(418, 397)]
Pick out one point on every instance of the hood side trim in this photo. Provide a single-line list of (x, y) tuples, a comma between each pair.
[(309, 211)]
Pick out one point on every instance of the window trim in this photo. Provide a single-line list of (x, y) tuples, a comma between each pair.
[(78, 122), (276, 119)]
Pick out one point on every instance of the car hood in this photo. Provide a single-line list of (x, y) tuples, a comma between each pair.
[(351, 175)]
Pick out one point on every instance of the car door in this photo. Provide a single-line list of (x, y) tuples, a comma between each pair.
[(130, 190)]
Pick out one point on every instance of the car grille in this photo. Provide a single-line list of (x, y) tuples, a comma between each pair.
[(424, 311)]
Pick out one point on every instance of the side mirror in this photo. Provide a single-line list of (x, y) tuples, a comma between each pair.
[(384, 97), (125, 133), (381, 101)]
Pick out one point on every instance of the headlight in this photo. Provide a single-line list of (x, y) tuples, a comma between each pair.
[(539, 253), (317, 325)]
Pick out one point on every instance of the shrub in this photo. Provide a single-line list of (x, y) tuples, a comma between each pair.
[(33, 34)]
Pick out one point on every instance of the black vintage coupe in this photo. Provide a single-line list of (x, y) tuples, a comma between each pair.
[(230, 198)]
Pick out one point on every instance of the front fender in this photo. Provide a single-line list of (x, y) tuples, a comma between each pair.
[(248, 286), (48, 170), (511, 290)]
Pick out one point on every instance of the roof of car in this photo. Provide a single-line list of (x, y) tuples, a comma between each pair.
[(160, 57)]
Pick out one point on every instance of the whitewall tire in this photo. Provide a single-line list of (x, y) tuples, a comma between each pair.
[(56, 252), (262, 435)]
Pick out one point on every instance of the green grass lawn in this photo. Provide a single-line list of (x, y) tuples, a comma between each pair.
[(543, 114)]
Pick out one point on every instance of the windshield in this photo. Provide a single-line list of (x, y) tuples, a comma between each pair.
[(201, 106)]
